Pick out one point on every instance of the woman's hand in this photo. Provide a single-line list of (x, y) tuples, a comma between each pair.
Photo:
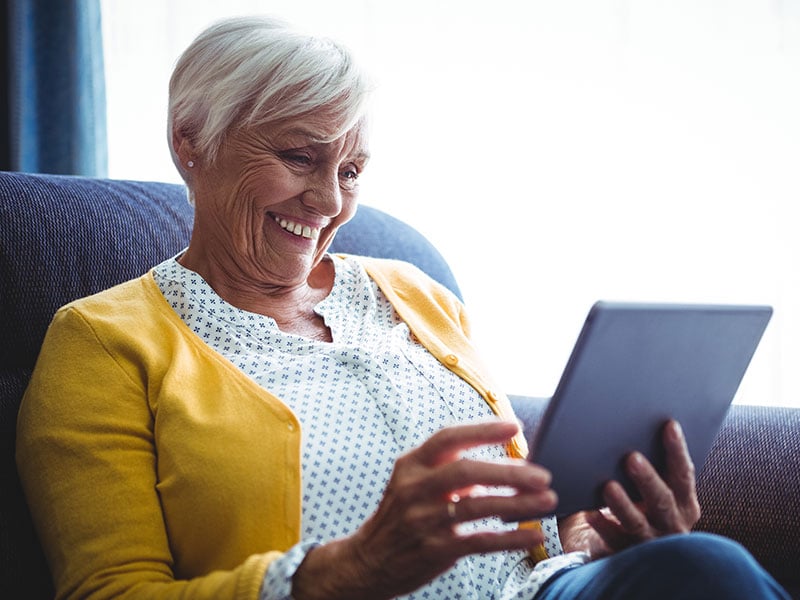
[(413, 535), (668, 505)]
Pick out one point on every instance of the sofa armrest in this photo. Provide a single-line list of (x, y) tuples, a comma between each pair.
[(749, 487)]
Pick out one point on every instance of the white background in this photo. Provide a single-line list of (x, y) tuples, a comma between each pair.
[(555, 152)]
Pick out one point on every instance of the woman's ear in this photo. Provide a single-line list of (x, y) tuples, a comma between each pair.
[(184, 149)]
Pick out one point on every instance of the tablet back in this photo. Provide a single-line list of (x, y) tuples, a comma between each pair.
[(633, 367)]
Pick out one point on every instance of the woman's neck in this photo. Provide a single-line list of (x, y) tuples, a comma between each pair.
[(291, 306)]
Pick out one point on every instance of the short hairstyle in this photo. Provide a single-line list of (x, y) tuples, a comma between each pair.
[(255, 71)]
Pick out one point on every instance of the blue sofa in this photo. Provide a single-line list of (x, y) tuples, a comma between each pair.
[(65, 237)]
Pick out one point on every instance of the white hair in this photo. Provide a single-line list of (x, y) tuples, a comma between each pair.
[(254, 71)]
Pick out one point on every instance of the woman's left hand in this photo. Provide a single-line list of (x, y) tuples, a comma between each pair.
[(668, 505)]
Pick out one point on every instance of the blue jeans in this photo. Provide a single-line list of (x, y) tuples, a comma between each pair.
[(693, 566)]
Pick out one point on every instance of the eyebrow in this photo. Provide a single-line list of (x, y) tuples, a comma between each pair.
[(362, 156), (314, 138)]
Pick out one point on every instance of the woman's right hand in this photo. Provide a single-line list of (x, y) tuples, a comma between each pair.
[(412, 537)]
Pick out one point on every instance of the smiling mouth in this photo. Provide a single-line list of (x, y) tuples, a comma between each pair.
[(311, 233)]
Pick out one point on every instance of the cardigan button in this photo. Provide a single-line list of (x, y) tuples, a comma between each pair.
[(290, 426), (492, 396), (451, 360)]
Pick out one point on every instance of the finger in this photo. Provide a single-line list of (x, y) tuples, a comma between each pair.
[(493, 541), (461, 476), (608, 528), (539, 477), (446, 444), (659, 501), (448, 541), (519, 507), (631, 519), (681, 471)]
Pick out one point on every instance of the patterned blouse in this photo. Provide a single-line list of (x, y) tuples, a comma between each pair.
[(363, 399)]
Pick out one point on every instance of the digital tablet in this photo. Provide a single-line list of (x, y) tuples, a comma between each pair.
[(634, 367)]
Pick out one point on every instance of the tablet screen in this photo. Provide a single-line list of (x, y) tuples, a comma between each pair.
[(634, 367)]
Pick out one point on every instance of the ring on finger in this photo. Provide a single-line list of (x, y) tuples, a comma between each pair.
[(451, 507), (451, 510)]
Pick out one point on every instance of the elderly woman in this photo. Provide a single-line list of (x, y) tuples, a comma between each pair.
[(256, 418)]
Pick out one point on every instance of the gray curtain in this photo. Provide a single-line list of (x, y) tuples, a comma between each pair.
[(54, 105)]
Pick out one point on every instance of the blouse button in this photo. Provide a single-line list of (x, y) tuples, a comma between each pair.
[(451, 360)]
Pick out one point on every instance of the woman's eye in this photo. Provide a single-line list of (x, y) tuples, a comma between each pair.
[(349, 174), (349, 179), (297, 158)]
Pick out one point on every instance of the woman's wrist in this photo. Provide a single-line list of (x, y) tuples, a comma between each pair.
[(277, 584), (331, 572)]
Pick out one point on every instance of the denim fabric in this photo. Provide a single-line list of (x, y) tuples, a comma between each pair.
[(695, 566)]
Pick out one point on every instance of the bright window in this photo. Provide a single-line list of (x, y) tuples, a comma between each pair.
[(555, 152)]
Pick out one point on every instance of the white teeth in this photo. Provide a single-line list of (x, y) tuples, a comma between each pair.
[(311, 233)]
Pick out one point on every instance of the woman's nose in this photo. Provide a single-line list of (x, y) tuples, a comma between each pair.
[(324, 194)]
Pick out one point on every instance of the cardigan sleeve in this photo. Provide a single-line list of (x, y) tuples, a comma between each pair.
[(87, 461)]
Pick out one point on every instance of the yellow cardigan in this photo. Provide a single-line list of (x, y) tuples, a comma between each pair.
[(154, 468)]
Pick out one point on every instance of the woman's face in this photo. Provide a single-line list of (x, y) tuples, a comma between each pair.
[(268, 208)]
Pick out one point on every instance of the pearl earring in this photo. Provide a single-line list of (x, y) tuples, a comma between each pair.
[(190, 164)]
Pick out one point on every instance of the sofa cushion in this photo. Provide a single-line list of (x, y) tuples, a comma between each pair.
[(67, 237)]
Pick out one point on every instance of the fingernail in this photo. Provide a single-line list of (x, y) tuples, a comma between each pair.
[(677, 431), (636, 461), (542, 476)]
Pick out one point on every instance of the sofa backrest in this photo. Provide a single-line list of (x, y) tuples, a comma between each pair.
[(62, 238)]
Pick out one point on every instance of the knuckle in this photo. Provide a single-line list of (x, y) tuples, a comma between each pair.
[(665, 503), (404, 462), (416, 520), (405, 490), (407, 493)]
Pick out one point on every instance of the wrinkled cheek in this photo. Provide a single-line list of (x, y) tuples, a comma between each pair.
[(349, 210), (264, 243), (324, 242)]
